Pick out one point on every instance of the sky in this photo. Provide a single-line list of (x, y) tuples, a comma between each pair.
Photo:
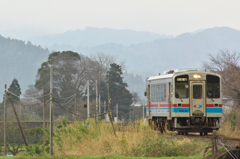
[(171, 17)]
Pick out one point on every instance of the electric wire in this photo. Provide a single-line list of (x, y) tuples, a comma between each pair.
[(66, 97), (66, 102), (23, 97), (75, 113), (37, 96)]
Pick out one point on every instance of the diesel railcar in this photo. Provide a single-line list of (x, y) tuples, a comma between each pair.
[(184, 100)]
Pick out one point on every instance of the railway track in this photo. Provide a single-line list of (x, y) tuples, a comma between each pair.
[(211, 136)]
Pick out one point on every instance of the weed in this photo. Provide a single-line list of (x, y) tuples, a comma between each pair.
[(32, 150), (233, 120), (97, 138)]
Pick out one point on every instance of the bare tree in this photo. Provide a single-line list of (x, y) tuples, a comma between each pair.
[(136, 98), (227, 65), (101, 64)]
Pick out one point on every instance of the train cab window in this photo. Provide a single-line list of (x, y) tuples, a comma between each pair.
[(197, 91), (181, 86), (164, 92), (213, 85)]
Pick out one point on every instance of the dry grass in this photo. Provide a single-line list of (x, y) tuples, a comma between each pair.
[(99, 140), (227, 126)]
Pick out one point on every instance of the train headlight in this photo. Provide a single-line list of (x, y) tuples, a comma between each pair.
[(197, 76)]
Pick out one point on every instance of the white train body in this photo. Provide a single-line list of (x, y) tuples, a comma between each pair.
[(188, 100)]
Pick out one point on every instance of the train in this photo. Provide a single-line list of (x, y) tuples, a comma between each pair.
[(184, 100)]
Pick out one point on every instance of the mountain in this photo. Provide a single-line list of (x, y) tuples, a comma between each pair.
[(156, 54), (19, 60), (90, 37), (184, 51)]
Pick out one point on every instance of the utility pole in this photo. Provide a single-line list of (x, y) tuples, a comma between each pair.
[(51, 124), (104, 110), (99, 106), (18, 121), (5, 122), (143, 112), (96, 118), (20, 107), (117, 111), (130, 113), (75, 106), (44, 111), (109, 110), (88, 110)]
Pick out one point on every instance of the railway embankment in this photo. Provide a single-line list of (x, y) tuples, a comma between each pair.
[(230, 125), (131, 139)]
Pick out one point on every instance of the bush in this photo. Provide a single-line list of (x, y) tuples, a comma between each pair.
[(32, 150), (164, 146), (233, 120)]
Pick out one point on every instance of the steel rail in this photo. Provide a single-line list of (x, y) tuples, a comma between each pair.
[(237, 139)]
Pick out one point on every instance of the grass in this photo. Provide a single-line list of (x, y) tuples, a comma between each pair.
[(97, 140), (80, 139), (229, 127), (103, 157)]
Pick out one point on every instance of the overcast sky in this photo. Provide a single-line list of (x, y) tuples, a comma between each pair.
[(171, 17)]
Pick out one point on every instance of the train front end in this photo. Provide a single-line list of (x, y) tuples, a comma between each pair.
[(196, 101)]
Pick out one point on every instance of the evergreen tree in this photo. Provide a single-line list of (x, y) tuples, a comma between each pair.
[(117, 90), (15, 89)]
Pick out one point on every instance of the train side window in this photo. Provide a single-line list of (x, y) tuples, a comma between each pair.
[(152, 93), (165, 93), (162, 90), (159, 93), (155, 93)]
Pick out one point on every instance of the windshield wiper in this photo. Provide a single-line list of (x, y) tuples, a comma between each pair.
[(181, 99)]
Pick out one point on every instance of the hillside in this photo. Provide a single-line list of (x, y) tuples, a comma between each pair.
[(188, 50), (19, 60), (185, 51), (90, 37)]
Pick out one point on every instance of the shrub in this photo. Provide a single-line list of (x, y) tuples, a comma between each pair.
[(233, 120), (32, 150)]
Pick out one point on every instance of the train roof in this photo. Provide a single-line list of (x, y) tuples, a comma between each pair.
[(170, 73)]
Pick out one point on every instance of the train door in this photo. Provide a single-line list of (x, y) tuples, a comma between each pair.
[(197, 99)]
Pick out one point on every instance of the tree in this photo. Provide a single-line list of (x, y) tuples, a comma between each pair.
[(136, 98), (117, 90), (227, 65), (15, 89), (70, 73)]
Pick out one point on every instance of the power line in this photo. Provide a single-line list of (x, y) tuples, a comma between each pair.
[(25, 98), (73, 112), (67, 101), (66, 97)]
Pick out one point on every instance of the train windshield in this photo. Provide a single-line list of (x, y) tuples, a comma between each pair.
[(181, 86), (213, 85)]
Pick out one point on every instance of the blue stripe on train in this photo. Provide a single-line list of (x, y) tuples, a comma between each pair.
[(214, 110), (186, 110), (174, 110)]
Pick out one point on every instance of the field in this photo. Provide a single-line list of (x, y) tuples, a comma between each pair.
[(96, 140)]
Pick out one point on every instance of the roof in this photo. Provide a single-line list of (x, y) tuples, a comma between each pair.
[(170, 73)]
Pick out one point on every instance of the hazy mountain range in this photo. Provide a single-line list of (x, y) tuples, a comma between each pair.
[(90, 37), (143, 51)]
